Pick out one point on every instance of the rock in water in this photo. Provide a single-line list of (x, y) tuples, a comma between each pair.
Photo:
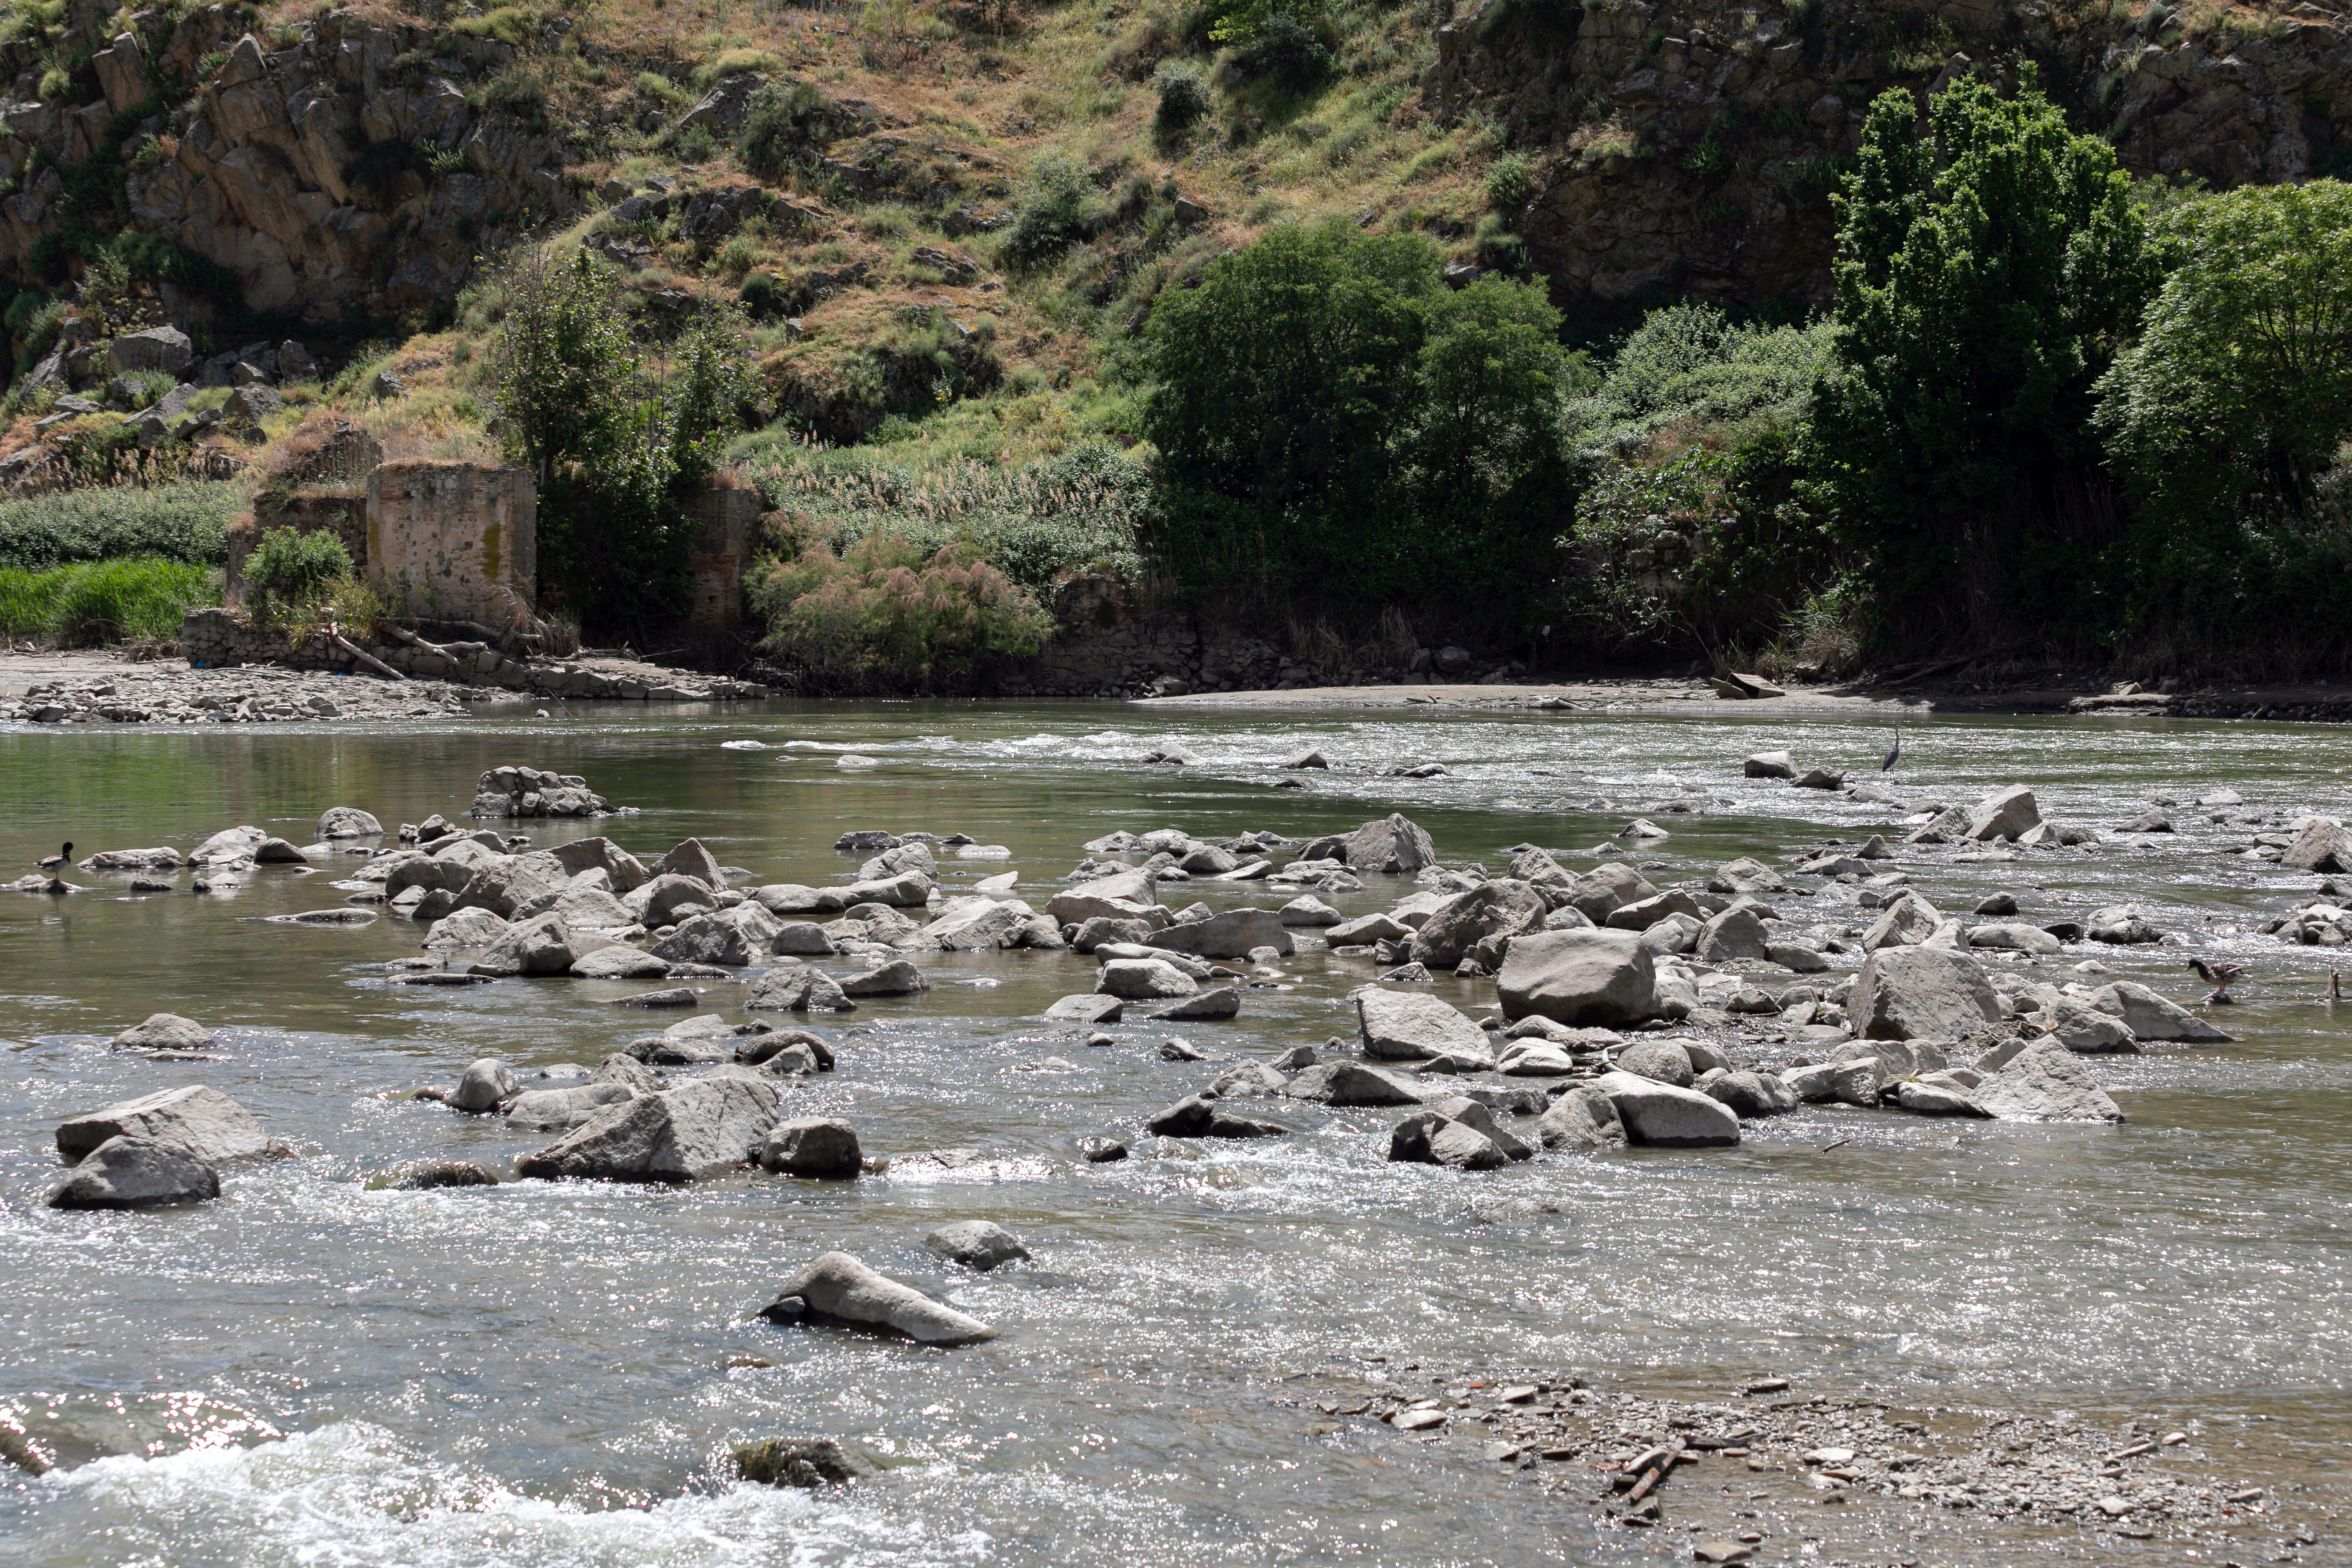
[(348, 822), (466, 928), (206, 1123), (1352, 1084), (1769, 765), (619, 961), (1581, 1122), (135, 1173), (813, 1146), (1660, 1061), (2004, 814), (1143, 980), (1578, 978), (1196, 1117), (1920, 992), (164, 1032), (2045, 1082), (1663, 1115), (977, 1244), (1408, 1025), (1394, 844), (699, 1128), (2321, 844), (838, 1288), (896, 978), (445, 1174), (562, 1109), (803, 1462), (1234, 934), (541, 946), (487, 1083), (2153, 1017)]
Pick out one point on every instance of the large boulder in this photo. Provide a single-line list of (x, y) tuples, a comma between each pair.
[(1460, 1132), (2010, 936), (1668, 1115), (699, 1128), (818, 1147), (2004, 814), (1746, 876), (1410, 1026), (2120, 925), (1394, 844), (619, 961), (589, 906), (911, 891), (1503, 907), (347, 822), (625, 871), (165, 349), (467, 928), (671, 900), (691, 858), (126, 1173), (1143, 980), (1920, 992), (1769, 765), (164, 1032), (541, 946), (1578, 978), (1908, 921), (972, 925), (2087, 1030), (897, 978), (1128, 895), (2321, 844), (708, 939), (197, 1117), (1209, 1002), (2044, 1082), (515, 885), (1366, 930), (485, 1086), (1581, 1122), (1641, 914), (1734, 934), (1661, 1061), (1352, 1084), (838, 1288), (1232, 935), (2153, 1017), (562, 1109), (1607, 887), (1197, 1116)]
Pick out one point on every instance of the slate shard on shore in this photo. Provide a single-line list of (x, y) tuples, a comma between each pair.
[(838, 1288)]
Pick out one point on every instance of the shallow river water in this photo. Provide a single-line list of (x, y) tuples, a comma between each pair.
[(554, 1373)]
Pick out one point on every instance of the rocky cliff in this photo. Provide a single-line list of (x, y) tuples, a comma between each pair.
[(357, 166), (1689, 146)]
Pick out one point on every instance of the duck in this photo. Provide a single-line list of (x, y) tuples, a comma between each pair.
[(2220, 976), (57, 862)]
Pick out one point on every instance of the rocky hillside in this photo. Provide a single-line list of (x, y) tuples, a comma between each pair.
[(1687, 146)]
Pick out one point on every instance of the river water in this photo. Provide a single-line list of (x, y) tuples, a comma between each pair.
[(316, 1370)]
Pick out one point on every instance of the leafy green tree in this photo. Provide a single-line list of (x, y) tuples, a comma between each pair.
[(614, 448), (1989, 267), (1333, 422), (2233, 401)]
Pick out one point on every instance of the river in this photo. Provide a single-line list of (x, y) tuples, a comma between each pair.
[(318, 1370)]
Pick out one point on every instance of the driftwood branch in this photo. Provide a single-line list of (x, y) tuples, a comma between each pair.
[(366, 657)]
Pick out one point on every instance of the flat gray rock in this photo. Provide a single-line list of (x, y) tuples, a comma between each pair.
[(1578, 978), (165, 1031), (1234, 934), (1347, 1083), (2153, 1017), (562, 1109), (1407, 1025), (820, 1148), (2044, 1082), (1663, 1114), (1920, 992), (1086, 1007), (1581, 1122), (977, 1244), (619, 961), (700, 1129)]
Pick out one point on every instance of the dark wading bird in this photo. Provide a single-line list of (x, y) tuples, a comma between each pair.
[(1894, 755), (58, 861), (2220, 976)]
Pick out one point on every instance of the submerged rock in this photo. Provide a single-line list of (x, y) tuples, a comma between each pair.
[(977, 1244), (803, 1461)]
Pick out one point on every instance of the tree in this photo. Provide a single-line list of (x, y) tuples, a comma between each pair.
[(1333, 422), (1987, 273), (2239, 392), (613, 448)]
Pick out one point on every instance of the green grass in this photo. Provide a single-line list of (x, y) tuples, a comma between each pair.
[(143, 596), (187, 523)]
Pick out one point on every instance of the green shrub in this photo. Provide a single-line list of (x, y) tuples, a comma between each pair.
[(696, 144), (1058, 207), (658, 87), (1183, 95), (1080, 512), (1690, 367), (290, 571), (138, 597), (890, 612), (1510, 183), (783, 121), (187, 523)]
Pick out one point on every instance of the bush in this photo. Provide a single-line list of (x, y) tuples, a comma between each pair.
[(289, 572), (105, 601), (1289, 46), (1038, 524), (1183, 95), (1510, 183), (783, 121), (1059, 208), (1690, 368), (187, 522), (890, 612)]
